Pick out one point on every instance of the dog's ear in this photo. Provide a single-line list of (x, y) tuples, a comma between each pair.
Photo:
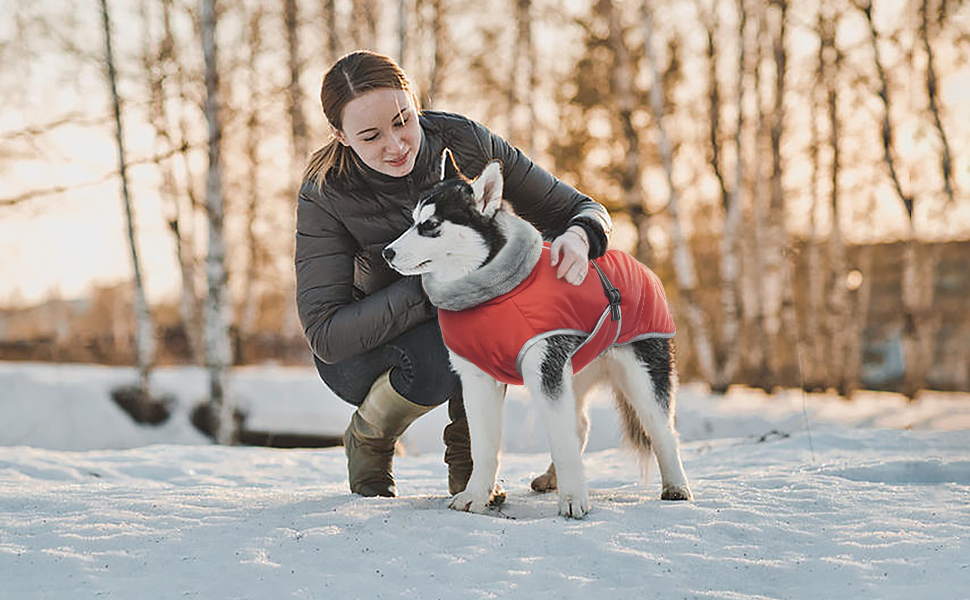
[(449, 170), (487, 189)]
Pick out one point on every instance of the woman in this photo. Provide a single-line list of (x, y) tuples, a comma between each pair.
[(374, 336)]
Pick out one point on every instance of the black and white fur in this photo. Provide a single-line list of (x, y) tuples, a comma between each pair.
[(468, 250)]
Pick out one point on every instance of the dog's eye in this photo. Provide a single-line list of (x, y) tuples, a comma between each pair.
[(429, 227)]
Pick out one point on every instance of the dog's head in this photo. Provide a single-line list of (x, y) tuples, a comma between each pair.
[(454, 230)]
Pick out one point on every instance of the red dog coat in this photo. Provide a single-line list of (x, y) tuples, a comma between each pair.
[(495, 335)]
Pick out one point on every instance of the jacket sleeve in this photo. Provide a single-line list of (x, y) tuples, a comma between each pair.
[(336, 324), (542, 199)]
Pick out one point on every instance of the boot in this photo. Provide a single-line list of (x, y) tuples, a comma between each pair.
[(458, 450), (369, 440)]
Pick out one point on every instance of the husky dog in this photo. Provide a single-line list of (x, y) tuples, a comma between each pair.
[(475, 258)]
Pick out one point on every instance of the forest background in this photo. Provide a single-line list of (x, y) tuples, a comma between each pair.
[(797, 173)]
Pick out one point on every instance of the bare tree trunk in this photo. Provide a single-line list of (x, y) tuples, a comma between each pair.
[(519, 95), (294, 93), (402, 30), (431, 14), (525, 18), (332, 46), (683, 261), (622, 77), (780, 322), (862, 296), (248, 310), (731, 250), (756, 242), (144, 329), (840, 330), (183, 229), (158, 64), (728, 354), (218, 344), (932, 94), (814, 361), (919, 280), (364, 25), (300, 141)]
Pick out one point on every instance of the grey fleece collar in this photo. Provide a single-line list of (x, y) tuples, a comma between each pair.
[(510, 266)]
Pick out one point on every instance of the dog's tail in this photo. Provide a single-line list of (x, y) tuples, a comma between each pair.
[(635, 436)]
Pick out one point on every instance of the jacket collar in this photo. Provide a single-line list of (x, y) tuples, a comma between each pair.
[(507, 269)]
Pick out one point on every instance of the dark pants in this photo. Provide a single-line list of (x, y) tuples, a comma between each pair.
[(417, 360)]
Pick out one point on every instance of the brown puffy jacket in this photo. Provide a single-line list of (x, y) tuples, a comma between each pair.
[(348, 298)]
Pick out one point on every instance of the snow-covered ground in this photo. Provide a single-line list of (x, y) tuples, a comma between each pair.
[(795, 497)]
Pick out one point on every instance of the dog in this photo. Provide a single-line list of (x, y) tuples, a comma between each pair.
[(474, 257)]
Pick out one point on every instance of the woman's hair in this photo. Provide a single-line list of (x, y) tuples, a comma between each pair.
[(348, 78)]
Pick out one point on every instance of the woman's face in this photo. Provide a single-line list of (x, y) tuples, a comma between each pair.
[(381, 126)]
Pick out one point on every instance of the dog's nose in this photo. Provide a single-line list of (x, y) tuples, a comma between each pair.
[(388, 254)]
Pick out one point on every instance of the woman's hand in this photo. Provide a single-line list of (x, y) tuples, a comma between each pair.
[(571, 252)]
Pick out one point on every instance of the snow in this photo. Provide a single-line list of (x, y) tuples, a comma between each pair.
[(795, 497)]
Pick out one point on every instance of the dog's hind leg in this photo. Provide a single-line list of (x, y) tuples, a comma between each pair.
[(648, 386), (547, 371), (483, 397), (583, 382)]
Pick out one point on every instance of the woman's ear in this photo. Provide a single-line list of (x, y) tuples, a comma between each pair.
[(449, 170)]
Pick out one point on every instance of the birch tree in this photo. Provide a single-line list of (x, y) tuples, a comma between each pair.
[(625, 101), (299, 133), (729, 354), (217, 340), (438, 45), (522, 81), (402, 30), (814, 363), (144, 329), (683, 261), (840, 332), (246, 320), (159, 63), (299, 143), (364, 23), (331, 36), (780, 323), (753, 297)]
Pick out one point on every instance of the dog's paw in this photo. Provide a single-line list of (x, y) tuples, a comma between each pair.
[(574, 505), (675, 492), (468, 501), (545, 482)]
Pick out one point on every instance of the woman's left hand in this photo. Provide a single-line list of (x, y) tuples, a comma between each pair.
[(571, 252)]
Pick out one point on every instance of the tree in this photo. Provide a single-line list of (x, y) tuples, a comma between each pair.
[(160, 64), (683, 261), (246, 320), (144, 329), (839, 330), (920, 325), (728, 354), (624, 99), (780, 323), (522, 80), (218, 348), (332, 44)]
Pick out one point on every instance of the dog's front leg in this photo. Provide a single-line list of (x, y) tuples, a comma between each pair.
[(483, 397), (548, 372)]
